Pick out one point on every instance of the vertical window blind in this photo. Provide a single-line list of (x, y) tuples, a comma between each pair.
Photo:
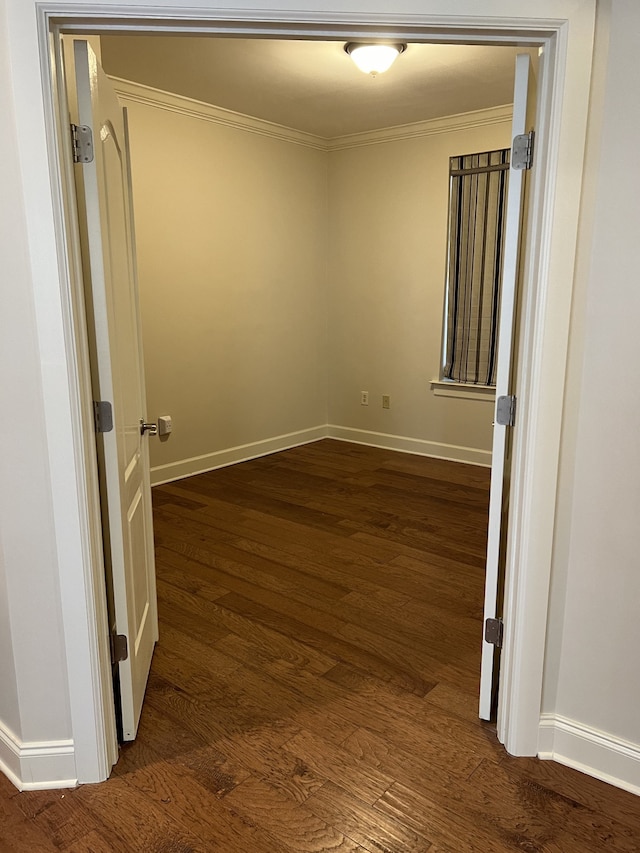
[(477, 213)]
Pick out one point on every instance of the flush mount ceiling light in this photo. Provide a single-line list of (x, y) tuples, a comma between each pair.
[(374, 58)]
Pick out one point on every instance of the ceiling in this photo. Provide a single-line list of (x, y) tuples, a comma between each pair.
[(313, 85)]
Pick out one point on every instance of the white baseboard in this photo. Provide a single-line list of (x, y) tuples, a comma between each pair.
[(242, 453), (591, 751), (419, 446), (35, 766)]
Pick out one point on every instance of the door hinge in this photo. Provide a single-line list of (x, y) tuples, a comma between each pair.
[(493, 629), (522, 151), (103, 415), (506, 410), (119, 648), (82, 143)]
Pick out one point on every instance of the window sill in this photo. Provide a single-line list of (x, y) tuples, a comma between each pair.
[(463, 391)]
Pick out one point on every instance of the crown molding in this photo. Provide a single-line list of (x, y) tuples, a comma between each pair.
[(430, 127), (150, 96), (159, 98)]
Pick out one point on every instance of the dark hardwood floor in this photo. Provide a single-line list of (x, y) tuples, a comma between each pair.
[(315, 685)]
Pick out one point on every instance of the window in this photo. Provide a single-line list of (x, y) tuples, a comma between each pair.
[(477, 216)]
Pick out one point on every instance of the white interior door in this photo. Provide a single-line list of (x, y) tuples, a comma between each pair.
[(523, 116), (106, 224)]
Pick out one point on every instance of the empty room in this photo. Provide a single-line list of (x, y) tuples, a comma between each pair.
[(290, 274), (296, 331)]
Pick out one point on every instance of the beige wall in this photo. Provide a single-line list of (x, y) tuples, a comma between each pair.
[(277, 281), (387, 238), (231, 241)]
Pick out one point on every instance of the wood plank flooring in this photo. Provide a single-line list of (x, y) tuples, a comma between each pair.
[(315, 685)]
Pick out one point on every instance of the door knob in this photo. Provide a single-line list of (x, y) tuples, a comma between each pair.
[(152, 429)]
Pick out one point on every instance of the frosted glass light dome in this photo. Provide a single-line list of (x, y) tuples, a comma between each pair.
[(374, 58)]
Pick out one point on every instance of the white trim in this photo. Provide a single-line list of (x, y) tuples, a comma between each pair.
[(566, 29), (418, 446), (170, 102), (548, 269), (463, 390), (161, 474), (10, 755), (429, 127), (600, 754), (438, 26), (230, 456), (83, 600), (35, 766)]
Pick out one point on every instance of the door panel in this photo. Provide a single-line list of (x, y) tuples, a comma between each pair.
[(104, 192), (523, 119)]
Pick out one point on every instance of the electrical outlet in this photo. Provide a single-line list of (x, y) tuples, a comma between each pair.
[(386, 401), (165, 425), (364, 398)]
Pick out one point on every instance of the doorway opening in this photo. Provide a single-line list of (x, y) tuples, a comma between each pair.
[(541, 188), (175, 247)]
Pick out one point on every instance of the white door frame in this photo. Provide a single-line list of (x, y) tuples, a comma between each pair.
[(566, 34)]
